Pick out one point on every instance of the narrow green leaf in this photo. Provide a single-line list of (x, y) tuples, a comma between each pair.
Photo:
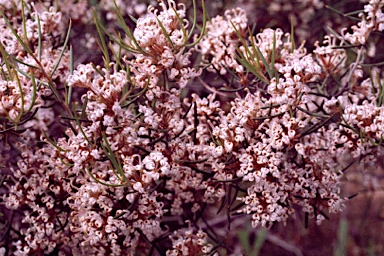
[(30, 77), (127, 30), (269, 116), (244, 241), (97, 69), (118, 41), (273, 55), (341, 248), (24, 63), (372, 64), (14, 32), (56, 5), (102, 182), (133, 19), (21, 97), (52, 142), (180, 21), (266, 65), (255, 55), (354, 13), (34, 93), (4, 76), (314, 128), (117, 55), (78, 122), (231, 90), (24, 22), (134, 96), (292, 35), (63, 48), (254, 70), (312, 113), (165, 33), (103, 47), (333, 32), (68, 95), (376, 144), (381, 91), (7, 63), (116, 163), (2, 179), (261, 236), (83, 108), (202, 33), (334, 10), (194, 22)]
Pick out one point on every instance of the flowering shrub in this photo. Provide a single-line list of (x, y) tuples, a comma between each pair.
[(124, 158)]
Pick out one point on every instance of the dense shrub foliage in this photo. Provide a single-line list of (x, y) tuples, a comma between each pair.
[(184, 121)]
